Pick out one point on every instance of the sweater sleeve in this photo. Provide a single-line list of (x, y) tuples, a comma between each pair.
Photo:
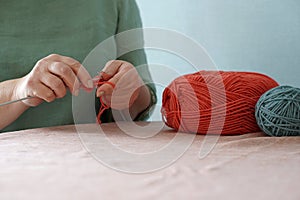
[(130, 48)]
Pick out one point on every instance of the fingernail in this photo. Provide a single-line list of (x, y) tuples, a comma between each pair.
[(99, 94), (90, 84)]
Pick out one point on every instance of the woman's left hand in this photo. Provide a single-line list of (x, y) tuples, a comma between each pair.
[(127, 83)]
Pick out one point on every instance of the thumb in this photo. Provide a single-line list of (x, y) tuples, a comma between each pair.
[(106, 88)]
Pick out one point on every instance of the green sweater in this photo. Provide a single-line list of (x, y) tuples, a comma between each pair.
[(33, 29)]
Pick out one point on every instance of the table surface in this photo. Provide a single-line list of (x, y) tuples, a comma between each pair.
[(58, 163)]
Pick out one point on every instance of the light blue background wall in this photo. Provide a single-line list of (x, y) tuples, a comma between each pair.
[(244, 35), (251, 35)]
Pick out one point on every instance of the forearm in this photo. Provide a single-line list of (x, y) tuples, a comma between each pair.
[(11, 112)]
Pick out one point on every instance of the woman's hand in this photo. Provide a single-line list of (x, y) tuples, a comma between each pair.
[(50, 78), (127, 83)]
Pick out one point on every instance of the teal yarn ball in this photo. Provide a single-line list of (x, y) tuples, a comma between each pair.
[(277, 111)]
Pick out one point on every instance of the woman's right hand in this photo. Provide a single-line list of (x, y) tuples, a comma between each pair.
[(50, 78)]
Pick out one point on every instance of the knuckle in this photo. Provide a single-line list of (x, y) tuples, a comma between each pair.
[(62, 93), (53, 56), (111, 62), (76, 64), (41, 62), (49, 96), (128, 65), (57, 84), (40, 67), (57, 65), (37, 72), (61, 68)]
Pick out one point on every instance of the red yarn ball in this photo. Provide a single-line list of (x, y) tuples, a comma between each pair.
[(214, 102)]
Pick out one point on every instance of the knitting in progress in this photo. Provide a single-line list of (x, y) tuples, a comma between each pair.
[(189, 101)]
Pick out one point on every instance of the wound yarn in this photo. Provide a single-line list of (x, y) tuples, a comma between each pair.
[(278, 111), (189, 101)]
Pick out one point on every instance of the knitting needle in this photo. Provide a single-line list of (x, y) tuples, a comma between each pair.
[(14, 101)]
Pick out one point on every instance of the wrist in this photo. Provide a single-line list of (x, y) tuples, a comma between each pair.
[(18, 92), (147, 111), (142, 103)]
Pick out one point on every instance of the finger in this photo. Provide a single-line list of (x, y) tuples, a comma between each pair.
[(43, 92), (125, 79), (106, 99), (66, 74), (110, 69), (56, 84), (77, 68), (107, 88), (112, 73)]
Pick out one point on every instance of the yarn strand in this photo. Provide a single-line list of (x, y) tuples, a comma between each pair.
[(103, 106), (98, 81)]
